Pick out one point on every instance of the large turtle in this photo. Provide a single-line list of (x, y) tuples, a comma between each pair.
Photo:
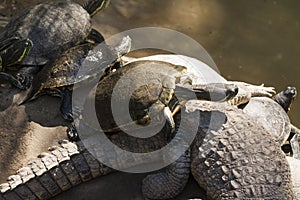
[(58, 77), (52, 28)]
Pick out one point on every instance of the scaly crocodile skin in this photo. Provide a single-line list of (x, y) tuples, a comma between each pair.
[(238, 159), (67, 165)]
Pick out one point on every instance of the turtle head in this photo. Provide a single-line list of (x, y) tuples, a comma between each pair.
[(94, 6), (290, 92), (286, 97), (15, 52)]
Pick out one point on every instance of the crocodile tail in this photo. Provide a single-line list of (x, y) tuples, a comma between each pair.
[(53, 172)]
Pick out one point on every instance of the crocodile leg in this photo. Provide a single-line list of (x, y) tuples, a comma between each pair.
[(246, 91), (170, 182)]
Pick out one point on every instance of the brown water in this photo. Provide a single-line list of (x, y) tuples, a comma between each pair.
[(254, 41)]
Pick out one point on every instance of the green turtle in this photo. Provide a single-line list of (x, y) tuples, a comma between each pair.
[(58, 78), (52, 28)]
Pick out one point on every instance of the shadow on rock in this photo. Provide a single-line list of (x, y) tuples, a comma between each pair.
[(7, 93), (45, 111)]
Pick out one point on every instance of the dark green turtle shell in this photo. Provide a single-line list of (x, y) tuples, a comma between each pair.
[(62, 72), (52, 28)]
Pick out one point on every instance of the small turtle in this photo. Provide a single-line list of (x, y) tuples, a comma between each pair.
[(52, 28), (270, 113), (292, 145), (58, 78)]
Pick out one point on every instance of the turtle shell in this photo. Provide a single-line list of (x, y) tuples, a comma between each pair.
[(200, 72), (52, 28), (62, 72), (271, 115), (138, 85)]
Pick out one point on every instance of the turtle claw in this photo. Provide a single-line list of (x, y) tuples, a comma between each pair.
[(21, 81), (72, 133), (295, 143), (170, 120)]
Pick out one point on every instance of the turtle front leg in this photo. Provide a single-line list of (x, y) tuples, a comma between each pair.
[(66, 104), (20, 81), (295, 141), (161, 106)]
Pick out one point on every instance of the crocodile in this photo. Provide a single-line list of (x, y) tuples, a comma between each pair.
[(231, 157)]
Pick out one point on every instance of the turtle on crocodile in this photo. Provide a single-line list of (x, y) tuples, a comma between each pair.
[(58, 77), (52, 28), (190, 79), (240, 138)]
